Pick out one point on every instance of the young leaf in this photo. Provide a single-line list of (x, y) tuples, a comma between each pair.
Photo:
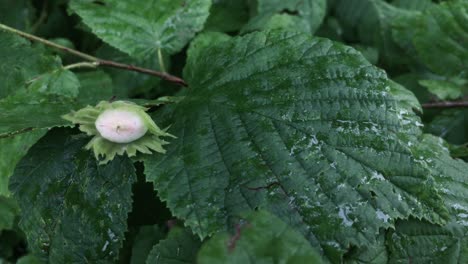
[(261, 238), (73, 211), (181, 246), (304, 127), (140, 28)]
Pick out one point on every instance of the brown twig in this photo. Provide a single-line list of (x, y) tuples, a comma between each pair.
[(446, 104), (97, 61)]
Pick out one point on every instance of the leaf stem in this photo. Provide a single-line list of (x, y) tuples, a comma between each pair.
[(446, 104), (97, 61), (81, 65)]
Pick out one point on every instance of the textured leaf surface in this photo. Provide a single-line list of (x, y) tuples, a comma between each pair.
[(261, 238), (24, 112), (11, 151), (422, 242), (73, 211), (180, 247), (139, 28), (60, 82), (301, 126)]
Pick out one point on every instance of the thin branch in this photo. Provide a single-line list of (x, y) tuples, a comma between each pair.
[(97, 61), (446, 104)]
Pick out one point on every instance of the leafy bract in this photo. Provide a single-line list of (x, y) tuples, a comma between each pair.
[(303, 127), (260, 238), (180, 247), (73, 211), (139, 28)]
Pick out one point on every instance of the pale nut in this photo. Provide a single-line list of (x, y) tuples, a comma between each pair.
[(120, 126)]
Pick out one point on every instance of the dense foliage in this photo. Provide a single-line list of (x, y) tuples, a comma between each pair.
[(300, 131)]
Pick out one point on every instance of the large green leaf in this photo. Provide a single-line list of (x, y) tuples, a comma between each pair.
[(11, 151), (260, 238), (422, 242), (437, 37), (73, 211), (24, 112), (139, 28), (301, 126), (180, 247)]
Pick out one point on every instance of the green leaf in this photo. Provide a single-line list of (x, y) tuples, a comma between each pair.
[(260, 238), (413, 4), (437, 37), (33, 110), (25, 112), (20, 63), (60, 82), (311, 11), (180, 247), (73, 211), (8, 212), (29, 259), (277, 21), (11, 151), (422, 242), (141, 28), (147, 237), (303, 127), (444, 90), (95, 86), (227, 15)]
